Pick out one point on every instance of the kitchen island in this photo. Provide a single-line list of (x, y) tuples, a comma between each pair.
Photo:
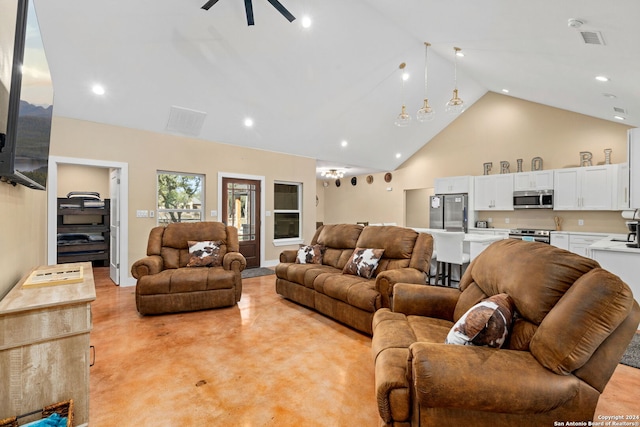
[(473, 243), (614, 255)]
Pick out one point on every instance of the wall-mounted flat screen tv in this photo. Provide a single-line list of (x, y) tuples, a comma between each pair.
[(26, 97)]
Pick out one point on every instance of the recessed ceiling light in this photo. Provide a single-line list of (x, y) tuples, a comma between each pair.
[(609, 95), (306, 21), (248, 122), (619, 118), (505, 90), (398, 155), (602, 78), (98, 89), (344, 143)]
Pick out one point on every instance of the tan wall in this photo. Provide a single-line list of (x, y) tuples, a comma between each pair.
[(23, 233), (82, 178), (148, 152), (495, 128)]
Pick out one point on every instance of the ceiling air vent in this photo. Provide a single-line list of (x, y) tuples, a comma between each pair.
[(619, 110), (186, 121), (592, 37)]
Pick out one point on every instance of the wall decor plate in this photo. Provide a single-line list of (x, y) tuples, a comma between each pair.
[(388, 177), (354, 181), (369, 179), (338, 182)]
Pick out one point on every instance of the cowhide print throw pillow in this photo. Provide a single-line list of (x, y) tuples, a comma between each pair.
[(363, 262), (485, 324), (309, 254), (204, 254)]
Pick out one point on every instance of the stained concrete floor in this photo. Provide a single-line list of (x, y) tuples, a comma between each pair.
[(264, 362)]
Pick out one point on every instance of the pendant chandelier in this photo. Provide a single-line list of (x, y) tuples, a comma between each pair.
[(332, 174), (426, 113), (404, 118), (455, 104)]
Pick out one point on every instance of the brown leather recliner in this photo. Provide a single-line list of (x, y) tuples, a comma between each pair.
[(165, 283), (574, 321)]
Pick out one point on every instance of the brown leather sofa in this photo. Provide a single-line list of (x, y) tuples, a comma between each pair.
[(572, 325), (167, 285), (348, 298)]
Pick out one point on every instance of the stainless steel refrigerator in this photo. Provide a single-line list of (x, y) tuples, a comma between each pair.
[(448, 212)]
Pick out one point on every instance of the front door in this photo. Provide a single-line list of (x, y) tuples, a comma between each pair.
[(241, 209)]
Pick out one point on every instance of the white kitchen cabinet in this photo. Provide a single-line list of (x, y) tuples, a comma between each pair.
[(560, 239), (579, 243), (576, 242), (622, 196), (633, 157), (534, 180), (584, 188), (493, 192), (453, 185)]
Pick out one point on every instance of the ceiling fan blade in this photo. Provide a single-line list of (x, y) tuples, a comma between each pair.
[(208, 4), (249, 8), (283, 10)]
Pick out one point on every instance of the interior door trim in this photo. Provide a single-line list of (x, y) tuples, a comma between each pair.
[(263, 190)]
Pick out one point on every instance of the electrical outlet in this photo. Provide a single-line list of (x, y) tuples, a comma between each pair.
[(580, 222), (213, 214), (489, 219), (506, 220)]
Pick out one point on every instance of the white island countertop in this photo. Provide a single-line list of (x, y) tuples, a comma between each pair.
[(468, 237), (613, 244)]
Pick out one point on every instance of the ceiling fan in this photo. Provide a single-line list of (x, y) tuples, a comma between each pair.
[(249, 8)]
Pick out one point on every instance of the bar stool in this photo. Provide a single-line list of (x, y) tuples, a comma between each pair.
[(450, 250), (433, 264)]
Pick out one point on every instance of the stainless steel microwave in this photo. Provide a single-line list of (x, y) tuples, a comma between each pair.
[(533, 199)]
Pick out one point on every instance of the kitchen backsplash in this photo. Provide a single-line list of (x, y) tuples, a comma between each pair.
[(593, 221)]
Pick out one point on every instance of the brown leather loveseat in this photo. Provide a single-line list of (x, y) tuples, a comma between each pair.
[(325, 284), (572, 322), (171, 278)]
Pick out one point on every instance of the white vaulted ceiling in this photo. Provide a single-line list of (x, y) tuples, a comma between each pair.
[(307, 90)]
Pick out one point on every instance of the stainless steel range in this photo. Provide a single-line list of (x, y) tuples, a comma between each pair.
[(531, 235)]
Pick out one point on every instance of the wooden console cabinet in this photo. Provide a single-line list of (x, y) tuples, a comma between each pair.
[(44, 346)]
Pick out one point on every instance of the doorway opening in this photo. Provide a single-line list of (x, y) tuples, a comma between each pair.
[(118, 185)]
